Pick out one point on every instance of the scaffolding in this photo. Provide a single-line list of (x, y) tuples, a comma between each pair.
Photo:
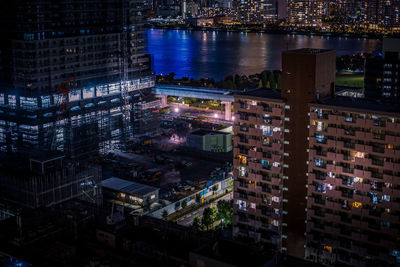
[(50, 181)]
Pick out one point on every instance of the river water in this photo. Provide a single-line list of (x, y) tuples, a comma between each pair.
[(201, 54)]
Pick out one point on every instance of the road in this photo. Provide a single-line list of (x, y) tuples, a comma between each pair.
[(187, 220)]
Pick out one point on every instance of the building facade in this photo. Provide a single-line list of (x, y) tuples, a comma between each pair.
[(258, 166), (353, 183), (71, 71)]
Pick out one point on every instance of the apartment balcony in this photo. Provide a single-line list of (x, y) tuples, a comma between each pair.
[(255, 154), (276, 170), (363, 161), (276, 147), (393, 126), (313, 116), (312, 142), (392, 139), (391, 166), (362, 187), (255, 132), (254, 142), (276, 123), (332, 118), (277, 135), (389, 178), (256, 109), (277, 112)]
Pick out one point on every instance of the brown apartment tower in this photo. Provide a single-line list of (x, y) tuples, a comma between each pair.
[(307, 75), (270, 150)]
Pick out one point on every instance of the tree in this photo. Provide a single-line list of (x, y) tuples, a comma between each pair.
[(165, 214), (271, 80), (198, 198), (184, 204), (214, 188), (196, 224), (225, 211), (165, 110), (186, 115), (208, 217), (171, 99), (279, 80)]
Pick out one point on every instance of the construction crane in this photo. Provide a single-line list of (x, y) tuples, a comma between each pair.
[(62, 103)]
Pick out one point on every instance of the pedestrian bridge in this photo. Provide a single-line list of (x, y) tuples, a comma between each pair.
[(223, 95)]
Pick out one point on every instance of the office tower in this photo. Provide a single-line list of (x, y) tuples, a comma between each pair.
[(71, 71), (382, 73), (353, 183), (307, 13), (270, 150)]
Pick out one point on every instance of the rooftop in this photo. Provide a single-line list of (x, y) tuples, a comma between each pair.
[(127, 187), (262, 93), (202, 132), (360, 103)]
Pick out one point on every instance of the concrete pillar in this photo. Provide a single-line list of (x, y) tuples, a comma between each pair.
[(163, 100), (228, 110)]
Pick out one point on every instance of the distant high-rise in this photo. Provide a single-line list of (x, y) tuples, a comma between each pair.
[(382, 73), (307, 13)]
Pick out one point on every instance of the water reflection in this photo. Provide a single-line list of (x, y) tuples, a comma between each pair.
[(218, 54)]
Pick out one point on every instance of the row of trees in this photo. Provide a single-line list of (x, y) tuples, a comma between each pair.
[(266, 79), (223, 213)]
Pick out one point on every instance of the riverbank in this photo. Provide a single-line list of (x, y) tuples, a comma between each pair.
[(242, 29)]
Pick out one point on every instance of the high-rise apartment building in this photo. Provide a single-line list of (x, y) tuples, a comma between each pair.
[(70, 73), (307, 13), (353, 183), (258, 162), (315, 174), (382, 73), (270, 149), (256, 11)]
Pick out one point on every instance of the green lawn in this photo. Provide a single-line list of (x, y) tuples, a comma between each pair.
[(352, 80)]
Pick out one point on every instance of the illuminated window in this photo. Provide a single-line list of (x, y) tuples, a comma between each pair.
[(390, 146), (242, 159), (357, 204), (360, 154), (253, 205), (328, 248), (152, 196), (122, 195), (275, 199), (242, 171)]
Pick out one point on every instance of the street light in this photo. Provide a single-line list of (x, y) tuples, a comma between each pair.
[(215, 115), (176, 109), (233, 118)]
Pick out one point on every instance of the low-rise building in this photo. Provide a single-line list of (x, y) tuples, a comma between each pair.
[(215, 141), (129, 194)]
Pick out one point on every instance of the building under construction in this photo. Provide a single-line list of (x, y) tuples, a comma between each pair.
[(71, 74), (75, 78)]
